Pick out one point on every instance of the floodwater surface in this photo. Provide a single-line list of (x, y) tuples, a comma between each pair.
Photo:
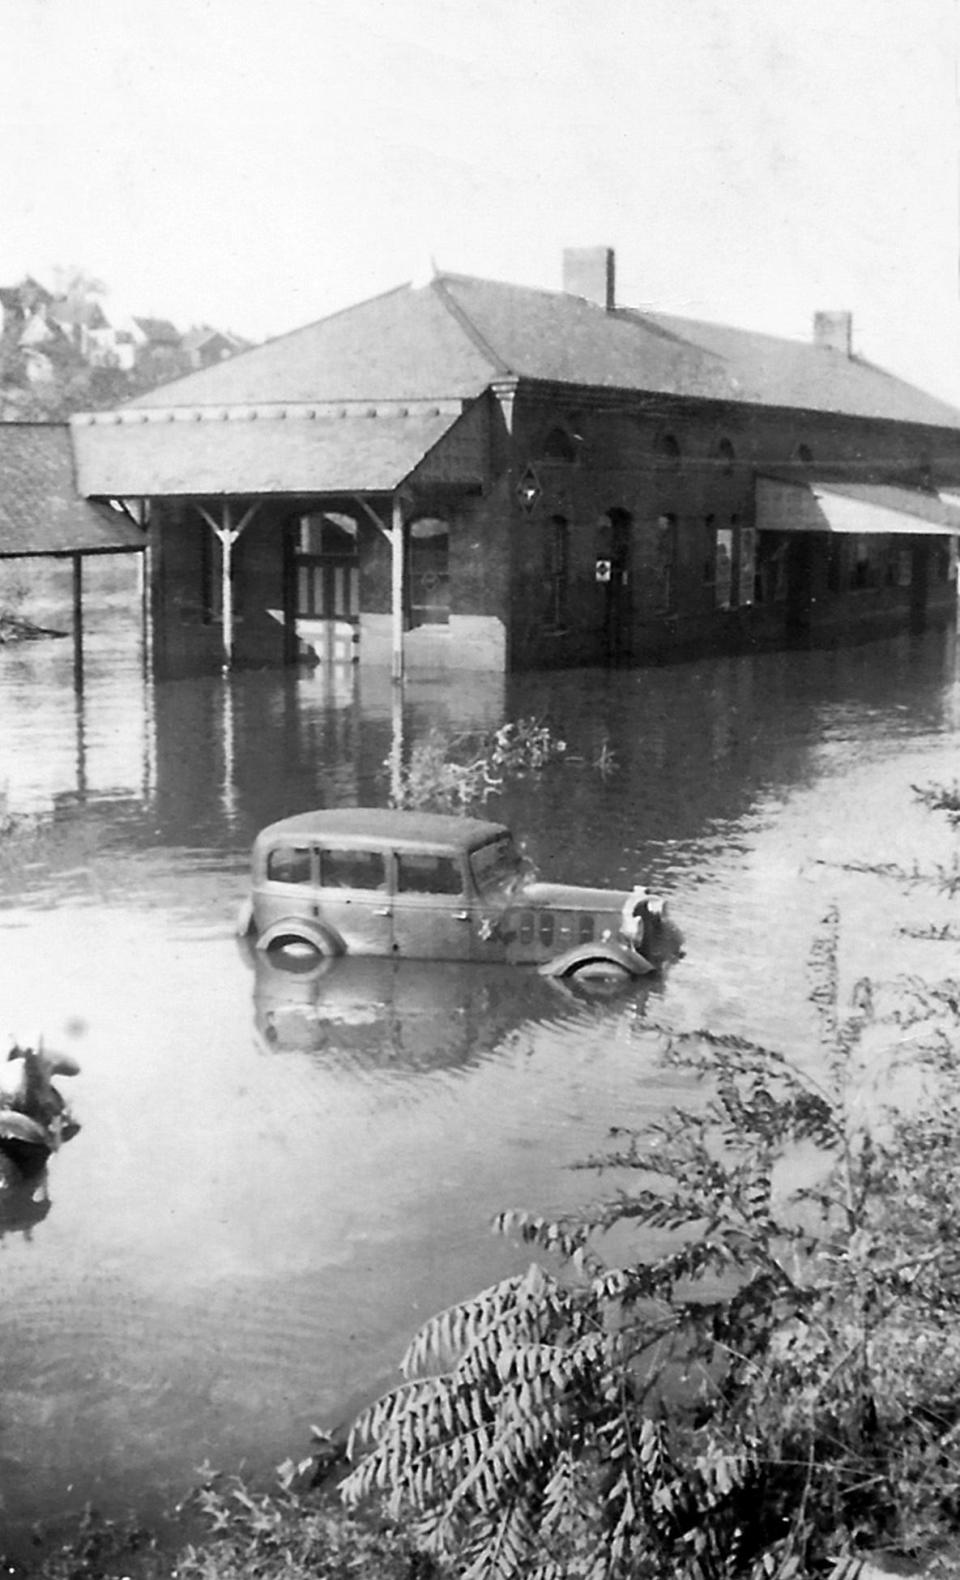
[(278, 1177)]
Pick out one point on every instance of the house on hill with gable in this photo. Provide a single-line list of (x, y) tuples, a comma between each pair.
[(470, 474)]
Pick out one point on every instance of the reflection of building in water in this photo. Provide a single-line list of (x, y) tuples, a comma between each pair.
[(249, 747), (65, 746)]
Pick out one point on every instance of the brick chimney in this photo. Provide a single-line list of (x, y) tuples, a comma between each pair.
[(834, 332), (590, 272)]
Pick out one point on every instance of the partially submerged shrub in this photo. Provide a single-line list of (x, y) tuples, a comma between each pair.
[(454, 772), (774, 1391), (285, 1534)]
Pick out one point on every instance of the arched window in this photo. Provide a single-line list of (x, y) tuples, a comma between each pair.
[(666, 563), (556, 571), (429, 565), (612, 543), (726, 455), (559, 445), (668, 449), (709, 550), (804, 455)]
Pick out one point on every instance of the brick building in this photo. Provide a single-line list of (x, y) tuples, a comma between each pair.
[(479, 475)]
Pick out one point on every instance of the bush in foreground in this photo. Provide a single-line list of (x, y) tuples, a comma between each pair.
[(773, 1392), (241, 1534)]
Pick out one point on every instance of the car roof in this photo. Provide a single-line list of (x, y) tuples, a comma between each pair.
[(397, 829)]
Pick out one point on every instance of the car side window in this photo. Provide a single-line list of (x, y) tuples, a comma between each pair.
[(353, 869), (420, 872), (289, 864)]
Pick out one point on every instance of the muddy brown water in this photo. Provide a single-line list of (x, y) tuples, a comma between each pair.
[(277, 1180)]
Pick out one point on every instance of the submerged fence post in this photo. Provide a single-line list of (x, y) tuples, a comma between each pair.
[(77, 621)]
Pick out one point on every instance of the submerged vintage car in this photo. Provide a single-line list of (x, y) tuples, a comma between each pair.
[(428, 886)]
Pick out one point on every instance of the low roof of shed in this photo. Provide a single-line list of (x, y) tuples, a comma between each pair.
[(41, 512)]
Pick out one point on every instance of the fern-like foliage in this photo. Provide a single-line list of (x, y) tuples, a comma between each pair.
[(768, 1386)]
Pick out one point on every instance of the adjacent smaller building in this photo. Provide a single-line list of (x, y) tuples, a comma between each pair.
[(42, 515)]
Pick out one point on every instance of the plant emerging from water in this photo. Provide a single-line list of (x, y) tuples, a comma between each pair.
[(450, 772), (289, 1534), (769, 1387)]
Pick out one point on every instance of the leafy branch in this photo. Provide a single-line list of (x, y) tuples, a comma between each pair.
[(767, 1385)]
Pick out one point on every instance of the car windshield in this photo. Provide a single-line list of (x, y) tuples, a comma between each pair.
[(497, 865)]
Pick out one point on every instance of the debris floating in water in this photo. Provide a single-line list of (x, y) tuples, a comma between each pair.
[(13, 628)]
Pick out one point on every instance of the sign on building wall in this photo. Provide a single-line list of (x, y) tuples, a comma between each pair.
[(723, 578), (748, 565)]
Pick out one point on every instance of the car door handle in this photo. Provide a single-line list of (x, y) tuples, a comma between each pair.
[(462, 916), (385, 911)]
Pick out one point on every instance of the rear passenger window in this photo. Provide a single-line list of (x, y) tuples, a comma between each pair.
[(352, 869), (289, 864), (419, 873)]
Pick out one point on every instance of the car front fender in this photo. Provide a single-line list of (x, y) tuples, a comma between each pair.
[(598, 956)]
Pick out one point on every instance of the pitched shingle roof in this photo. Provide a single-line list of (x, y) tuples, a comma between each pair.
[(771, 371), (405, 345), (355, 448), (40, 511), (159, 331), (454, 336)]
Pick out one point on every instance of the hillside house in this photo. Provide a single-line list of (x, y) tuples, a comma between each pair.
[(204, 346), (480, 475)]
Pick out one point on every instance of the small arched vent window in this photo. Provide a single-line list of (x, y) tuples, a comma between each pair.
[(559, 445), (429, 571), (726, 455), (668, 448)]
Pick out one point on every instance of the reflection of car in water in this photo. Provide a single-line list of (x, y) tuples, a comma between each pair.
[(412, 1014), (426, 886)]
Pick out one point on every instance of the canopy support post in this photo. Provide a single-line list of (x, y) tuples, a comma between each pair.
[(228, 535), (398, 590)]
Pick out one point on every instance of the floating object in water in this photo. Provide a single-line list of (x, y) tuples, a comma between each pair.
[(35, 1118)]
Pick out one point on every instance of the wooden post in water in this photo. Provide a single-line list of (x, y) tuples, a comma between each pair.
[(398, 583), (77, 621), (227, 537)]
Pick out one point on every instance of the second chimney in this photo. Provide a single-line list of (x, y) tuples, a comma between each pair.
[(590, 272), (834, 332)]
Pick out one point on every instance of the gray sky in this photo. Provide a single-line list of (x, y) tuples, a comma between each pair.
[(260, 163)]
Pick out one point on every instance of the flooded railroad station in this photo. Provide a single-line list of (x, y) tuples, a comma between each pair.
[(278, 1177)]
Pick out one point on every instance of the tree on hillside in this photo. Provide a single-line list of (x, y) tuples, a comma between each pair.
[(59, 354)]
